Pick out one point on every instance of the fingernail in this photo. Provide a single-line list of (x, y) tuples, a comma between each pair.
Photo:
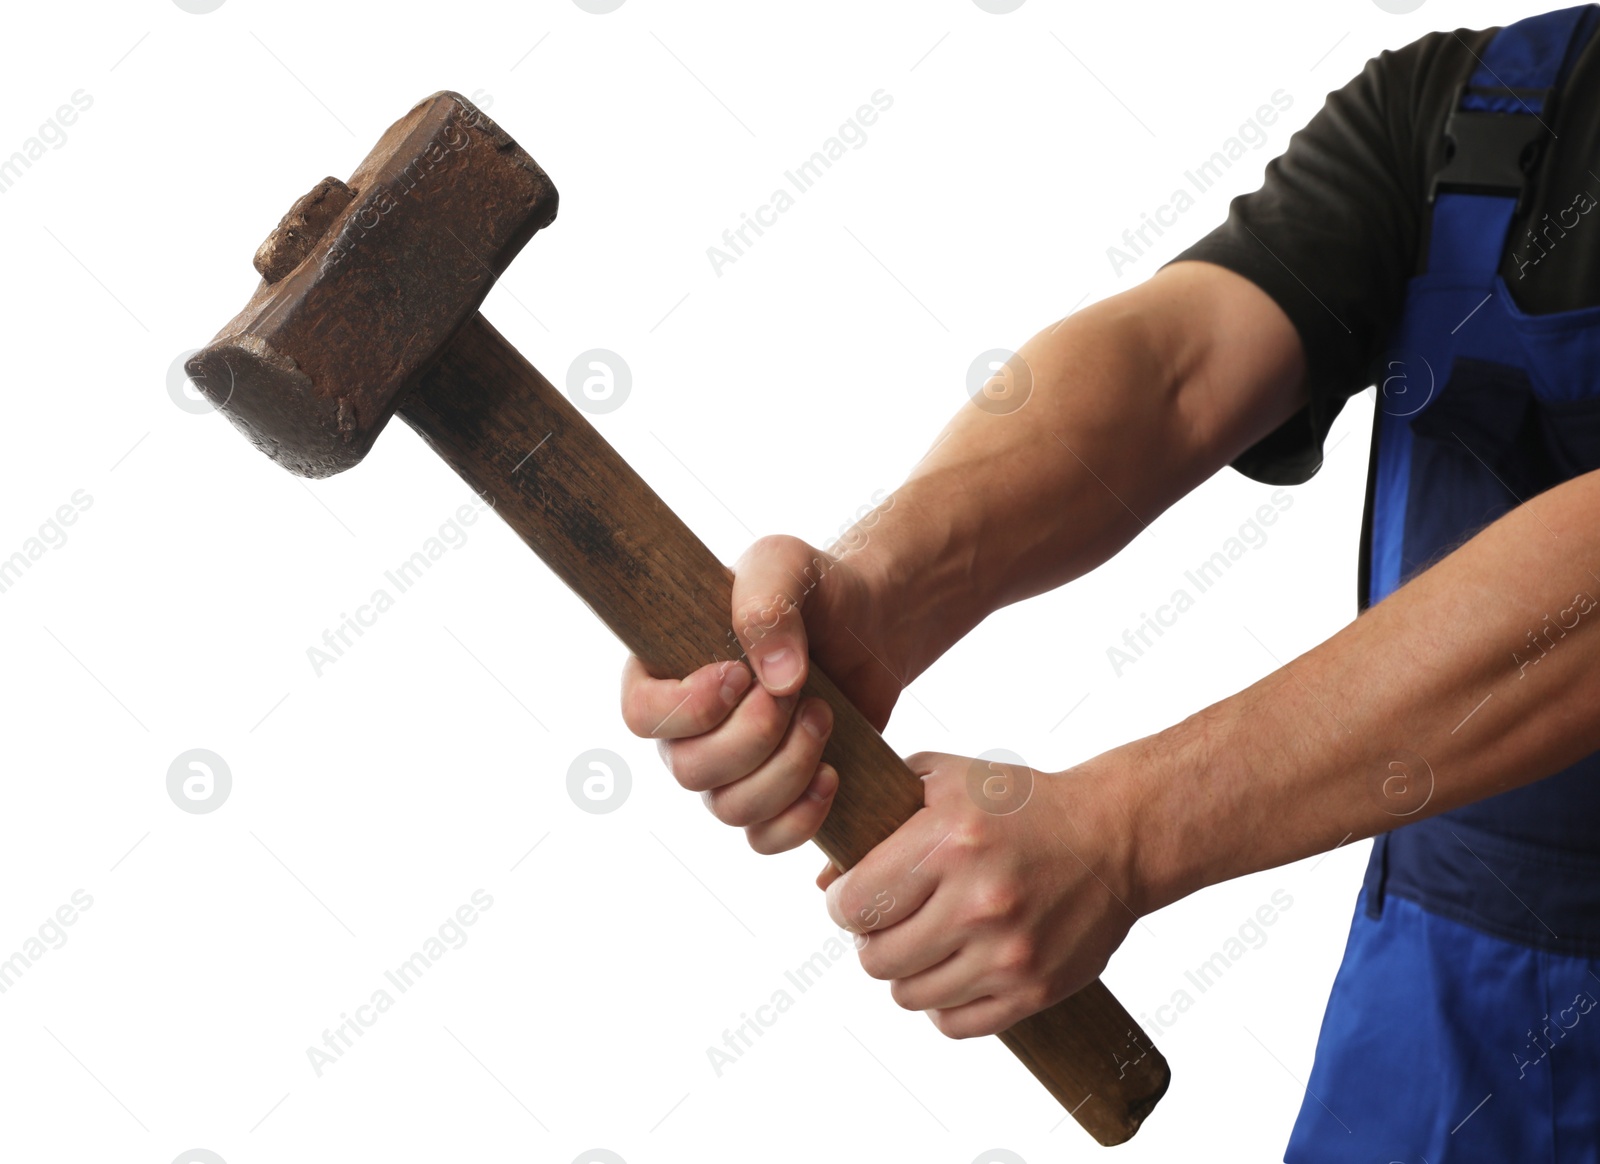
[(815, 719), (823, 784), (780, 668), (734, 680)]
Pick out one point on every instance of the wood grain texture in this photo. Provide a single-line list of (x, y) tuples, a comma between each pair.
[(522, 445)]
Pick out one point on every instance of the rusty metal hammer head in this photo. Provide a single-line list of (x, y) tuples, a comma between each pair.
[(364, 282)]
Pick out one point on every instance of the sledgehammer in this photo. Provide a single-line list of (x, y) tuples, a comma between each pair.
[(368, 306)]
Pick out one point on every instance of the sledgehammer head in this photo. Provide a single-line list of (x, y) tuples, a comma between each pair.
[(364, 282)]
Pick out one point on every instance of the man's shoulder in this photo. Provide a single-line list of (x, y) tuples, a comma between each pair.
[(1424, 73)]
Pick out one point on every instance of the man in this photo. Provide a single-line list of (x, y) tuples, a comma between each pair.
[(1432, 230)]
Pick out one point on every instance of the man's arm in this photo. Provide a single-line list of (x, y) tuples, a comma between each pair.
[(1479, 675), (1132, 403)]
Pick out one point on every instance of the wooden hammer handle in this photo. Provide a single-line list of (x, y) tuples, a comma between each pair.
[(522, 445)]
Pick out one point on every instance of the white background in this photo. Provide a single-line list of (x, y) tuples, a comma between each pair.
[(367, 804)]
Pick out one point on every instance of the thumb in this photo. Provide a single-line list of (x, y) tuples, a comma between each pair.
[(771, 583)]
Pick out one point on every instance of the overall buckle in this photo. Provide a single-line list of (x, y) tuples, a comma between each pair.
[(1493, 153)]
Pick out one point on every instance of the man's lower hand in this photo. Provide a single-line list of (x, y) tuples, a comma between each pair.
[(982, 919)]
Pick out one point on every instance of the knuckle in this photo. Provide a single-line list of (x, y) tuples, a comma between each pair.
[(994, 901), (850, 902), (690, 777), (807, 748), (688, 714), (764, 615), (969, 838), (768, 720), (769, 548), (752, 608), (730, 809), (873, 914), (1033, 999), (872, 963), (1017, 956), (761, 842), (693, 780), (633, 710), (696, 708), (770, 841)]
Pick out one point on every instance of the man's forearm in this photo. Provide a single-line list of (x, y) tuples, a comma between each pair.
[(1479, 675), (1132, 403)]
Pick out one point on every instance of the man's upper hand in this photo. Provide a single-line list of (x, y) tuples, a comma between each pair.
[(754, 749)]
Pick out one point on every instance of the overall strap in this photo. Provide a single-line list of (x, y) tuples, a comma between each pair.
[(1498, 122)]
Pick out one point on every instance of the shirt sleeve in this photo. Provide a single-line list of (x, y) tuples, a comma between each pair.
[(1332, 235)]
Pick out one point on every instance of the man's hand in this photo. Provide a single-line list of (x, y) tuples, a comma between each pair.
[(982, 919), (751, 752)]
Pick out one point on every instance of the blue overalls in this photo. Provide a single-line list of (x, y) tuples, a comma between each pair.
[(1464, 1022)]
